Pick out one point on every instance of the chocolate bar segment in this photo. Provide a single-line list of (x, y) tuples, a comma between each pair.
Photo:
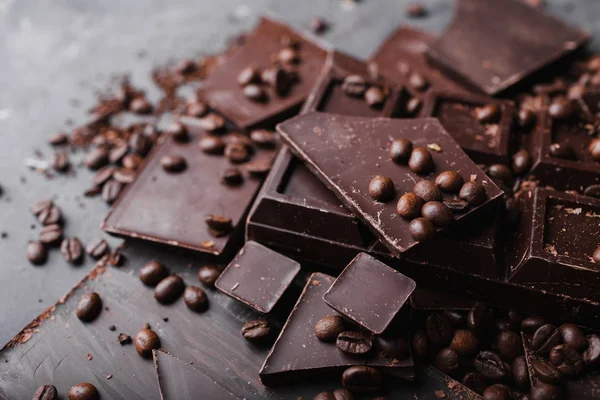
[(299, 354), (262, 50), (258, 277), (480, 50), (347, 152), (369, 293)]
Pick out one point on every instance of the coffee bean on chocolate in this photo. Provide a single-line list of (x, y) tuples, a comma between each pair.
[(354, 342), (146, 340), (60, 162), (152, 273), (437, 213), (237, 153), (488, 114), (473, 193), (173, 163), (400, 150), (362, 379), (36, 253), (449, 181), (72, 250), (545, 371), (464, 342), (544, 391), (421, 229), (232, 177), (116, 154), (573, 336), (526, 118), (561, 108), (409, 206), (196, 109), (439, 329), (328, 328), (417, 81), (124, 176), (212, 122), (566, 359), (531, 324), (474, 381), (178, 131), (521, 161), (420, 345), (288, 55), (354, 85), (256, 330), (51, 235), (169, 289), (277, 78), (96, 158), (211, 144), (447, 361), (427, 191), (394, 348), (247, 76), (254, 93), (591, 356), (501, 172), (374, 96), (83, 391), (594, 149), (420, 161), (103, 175), (324, 396), (88, 307), (490, 365), (195, 298), (509, 345), (46, 392), (111, 190), (342, 394), (263, 137), (562, 150), (545, 338), (381, 188), (520, 372)]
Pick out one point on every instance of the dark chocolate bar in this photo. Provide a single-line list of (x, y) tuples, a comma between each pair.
[(493, 45), (258, 277), (261, 50), (298, 353), (359, 149)]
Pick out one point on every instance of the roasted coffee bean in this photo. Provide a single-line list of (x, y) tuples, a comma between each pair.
[(409, 206), (545, 371), (196, 109), (46, 392), (416, 10), (232, 176), (169, 289), (103, 175), (115, 258), (324, 396), (456, 205), (195, 298), (288, 55), (50, 215), (593, 191), (545, 338), (238, 138), (51, 235), (60, 162), (420, 161), (254, 93), (464, 342), (318, 25), (140, 143), (561, 108), (500, 171), (447, 361), (72, 250), (456, 318), (449, 181), (219, 223), (259, 168), (36, 253), (211, 144), (479, 316), (97, 158), (488, 114), (393, 348), (497, 392), (116, 154), (97, 248), (343, 394), (146, 340), (475, 382), (531, 324), (173, 163), (521, 161), (400, 150), (576, 91), (123, 339), (417, 81), (58, 140), (140, 105), (237, 153), (256, 330), (124, 176), (427, 191), (328, 328), (437, 213), (152, 273), (274, 77), (212, 122), (566, 359), (375, 96), (88, 307), (515, 318), (354, 85), (420, 344), (572, 335), (591, 356), (83, 391), (520, 372), (509, 345), (263, 137), (413, 105), (526, 118), (491, 366), (439, 329), (473, 193), (544, 391), (208, 275), (354, 342), (562, 150), (594, 149), (381, 188), (421, 229), (362, 379), (178, 131), (111, 190), (247, 76), (40, 206)]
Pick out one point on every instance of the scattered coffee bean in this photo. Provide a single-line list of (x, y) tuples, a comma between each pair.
[(72, 250), (46, 392), (479, 317), (456, 318), (116, 154), (178, 131), (115, 258), (420, 344), (488, 114), (263, 137), (418, 81), (490, 365), (232, 176), (545, 371), (237, 153), (60, 162), (413, 105), (51, 235), (447, 361), (40, 206), (96, 159), (464, 342), (259, 168), (566, 359), (381, 188), (152, 273), (572, 335), (208, 275), (520, 372), (247, 76), (427, 191), (439, 329), (375, 96), (561, 108), (475, 381), (421, 161), (562, 150), (140, 143), (195, 298), (103, 175), (531, 324), (88, 307), (238, 138), (212, 122), (437, 213), (254, 93), (416, 10), (544, 391), (146, 340), (421, 229), (497, 392), (196, 109), (169, 289), (362, 379), (545, 338), (449, 181), (211, 144), (124, 176), (400, 150), (501, 172), (111, 190), (591, 356), (594, 149), (123, 339), (409, 206), (50, 215), (173, 163), (58, 140), (256, 330), (473, 193), (83, 391), (521, 161), (343, 394), (140, 105), (36, 253), (395, 348), (354, 85), (509, 345), (354, 342), (328, 328), (526, 118)]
